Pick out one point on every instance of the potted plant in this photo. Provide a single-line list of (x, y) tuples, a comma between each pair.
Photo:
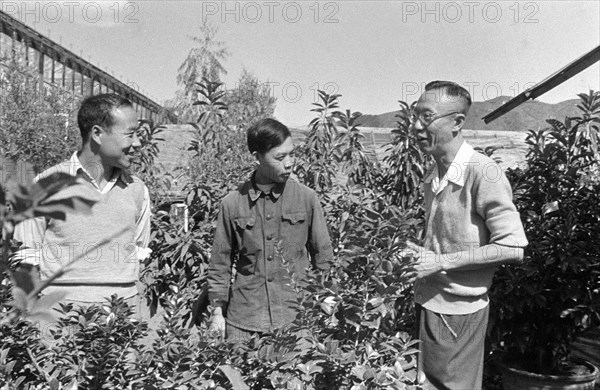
[(541, 305)]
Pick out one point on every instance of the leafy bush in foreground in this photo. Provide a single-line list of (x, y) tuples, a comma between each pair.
[(353, 325), (542, 304)]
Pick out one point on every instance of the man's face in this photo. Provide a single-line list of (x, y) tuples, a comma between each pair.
[(436, 125), (120, 139), (276, 164)]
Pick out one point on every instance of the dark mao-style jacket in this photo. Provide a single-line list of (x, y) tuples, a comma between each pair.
[(272, 235)]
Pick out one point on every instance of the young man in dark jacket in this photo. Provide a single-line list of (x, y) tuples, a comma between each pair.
[(275, 227)]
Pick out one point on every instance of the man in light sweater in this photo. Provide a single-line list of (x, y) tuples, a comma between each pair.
[(471, 227), (101, 250)]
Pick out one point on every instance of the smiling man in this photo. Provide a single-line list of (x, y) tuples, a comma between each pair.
[(268, 229), (471, 227), (101, 249)]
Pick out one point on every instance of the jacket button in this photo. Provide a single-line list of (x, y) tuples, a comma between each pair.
[(269, 217), (269, 237), (270, 258), (270, 279)]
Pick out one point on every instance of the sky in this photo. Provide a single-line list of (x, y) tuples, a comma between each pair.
[(373, 53)]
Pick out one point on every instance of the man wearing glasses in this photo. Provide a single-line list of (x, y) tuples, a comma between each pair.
[(471, 227), (102, 249)]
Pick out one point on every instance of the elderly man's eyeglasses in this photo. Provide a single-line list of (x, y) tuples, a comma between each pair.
[(426, 118)]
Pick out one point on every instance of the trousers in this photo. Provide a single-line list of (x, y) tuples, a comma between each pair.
[(452, 348)]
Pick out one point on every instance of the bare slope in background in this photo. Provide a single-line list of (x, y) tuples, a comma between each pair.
[(528, 116)]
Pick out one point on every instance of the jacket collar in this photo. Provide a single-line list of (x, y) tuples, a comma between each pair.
[(254, 192)]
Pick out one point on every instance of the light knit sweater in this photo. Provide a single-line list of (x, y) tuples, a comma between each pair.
[(100, 248), (471, 207)]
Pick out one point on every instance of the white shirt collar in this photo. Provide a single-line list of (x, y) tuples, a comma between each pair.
[(456, 170), (75, 166)]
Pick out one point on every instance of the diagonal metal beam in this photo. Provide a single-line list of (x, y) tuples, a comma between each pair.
[(544, 86)]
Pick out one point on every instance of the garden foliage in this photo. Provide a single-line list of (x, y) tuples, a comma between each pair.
[(37, 124), (354, 322), (204, 60), (542, 304)]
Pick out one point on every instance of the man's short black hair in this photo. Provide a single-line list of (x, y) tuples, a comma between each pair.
[(266, 134), (97, 110), (452, 90)]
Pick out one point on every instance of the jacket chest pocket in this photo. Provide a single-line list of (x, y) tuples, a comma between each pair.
[(247, 237), (294, 231), (294, 218)]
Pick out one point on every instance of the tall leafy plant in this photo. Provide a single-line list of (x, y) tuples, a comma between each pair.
[(356, 162), (219, 162), (204, 61), (404, 165), (318, 169), (219, 149), (542, 304), (248, 102)]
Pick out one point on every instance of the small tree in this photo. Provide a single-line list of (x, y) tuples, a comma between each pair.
[(356, 163), (248, 102), (318, 168), (404, 165), (204, 61)]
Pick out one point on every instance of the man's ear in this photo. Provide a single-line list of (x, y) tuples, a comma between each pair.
[(459, 122), (255, 155), (96, 134)]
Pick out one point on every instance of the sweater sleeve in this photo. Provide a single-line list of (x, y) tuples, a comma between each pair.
[(142, 228), (31, 234), (493, 200)]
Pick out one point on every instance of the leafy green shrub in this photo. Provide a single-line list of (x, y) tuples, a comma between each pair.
[(220, 162), (37, 122), (248, 102), (20, 304), (347, 333), (317, 160), (355, 162), (541, 305), (353, 323), (94, 347), (404, 165)]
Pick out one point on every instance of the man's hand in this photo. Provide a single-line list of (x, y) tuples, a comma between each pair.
[(217, 324), (425, 264)]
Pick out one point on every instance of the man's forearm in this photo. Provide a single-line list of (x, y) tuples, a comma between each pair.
[(481, 257)]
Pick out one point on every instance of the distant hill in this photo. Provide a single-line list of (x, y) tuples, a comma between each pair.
[(530, 115)]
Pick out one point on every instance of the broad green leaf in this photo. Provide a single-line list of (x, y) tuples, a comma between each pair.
[(234, 377), (72, 385), (20, 300), (26, 278), (46, 302), (44, 198)]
